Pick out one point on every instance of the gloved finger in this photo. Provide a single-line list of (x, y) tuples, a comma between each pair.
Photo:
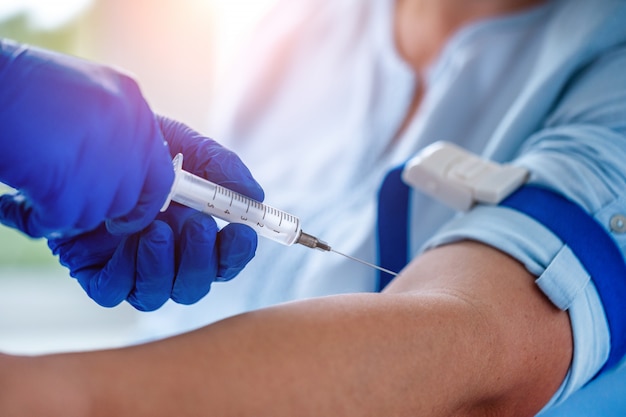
[(15, 212), (110, 284), (157, 185), (198, 259), (154, 267), (18, 212), (237, 245), (176, 215), (91, 250), (208, 159)]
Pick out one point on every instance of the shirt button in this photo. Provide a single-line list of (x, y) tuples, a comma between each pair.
[(618, 223)]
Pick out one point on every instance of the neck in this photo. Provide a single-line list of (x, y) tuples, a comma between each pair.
[(423, 26)]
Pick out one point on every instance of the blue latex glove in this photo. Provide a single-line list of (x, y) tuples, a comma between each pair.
[(178, 255), (79, 143)]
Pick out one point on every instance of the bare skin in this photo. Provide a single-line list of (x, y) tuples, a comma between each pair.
[(422, 27), (463, 331)]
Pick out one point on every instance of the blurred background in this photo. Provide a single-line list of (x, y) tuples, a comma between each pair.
[(177, 50)]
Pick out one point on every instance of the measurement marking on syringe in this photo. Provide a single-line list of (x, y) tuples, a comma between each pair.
[(266, 220)]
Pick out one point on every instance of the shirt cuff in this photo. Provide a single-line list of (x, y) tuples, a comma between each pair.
[(559, 274)]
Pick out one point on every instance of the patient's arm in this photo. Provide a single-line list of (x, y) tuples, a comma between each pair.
[(462, 331)]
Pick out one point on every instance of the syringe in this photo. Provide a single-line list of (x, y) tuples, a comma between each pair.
[(212, 199)]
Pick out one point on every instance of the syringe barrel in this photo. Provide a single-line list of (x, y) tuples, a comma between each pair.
[(215, 200)]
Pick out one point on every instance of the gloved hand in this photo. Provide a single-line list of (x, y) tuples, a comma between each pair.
[(178, 255), (79, 143)]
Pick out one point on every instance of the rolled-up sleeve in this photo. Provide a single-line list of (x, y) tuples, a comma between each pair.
[(579, 153)]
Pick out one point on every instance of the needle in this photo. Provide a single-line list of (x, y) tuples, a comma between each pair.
[(366, 263)]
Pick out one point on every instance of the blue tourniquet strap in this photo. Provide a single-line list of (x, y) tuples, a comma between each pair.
[(393, 217), (588, 240), (593, 246)]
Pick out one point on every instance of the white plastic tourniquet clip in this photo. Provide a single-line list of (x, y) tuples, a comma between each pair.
[(459, 178)]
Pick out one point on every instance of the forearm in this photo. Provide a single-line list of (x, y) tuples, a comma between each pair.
[(337, 356), (416, 350)]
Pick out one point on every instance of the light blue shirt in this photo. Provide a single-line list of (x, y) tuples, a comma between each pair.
[(314, 104), (603, 397), (568, 127)]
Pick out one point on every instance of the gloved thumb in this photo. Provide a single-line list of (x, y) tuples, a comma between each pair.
[(208, 159)]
